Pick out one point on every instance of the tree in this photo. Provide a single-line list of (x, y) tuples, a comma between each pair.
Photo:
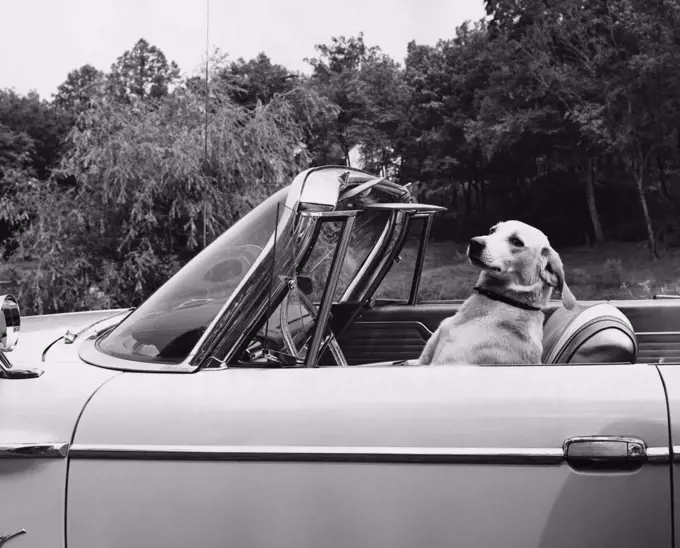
[(439, 147), (256, 80), (17, 177), (336, 75), (30, 117), (146, 191), (143, 72), (382, 84), (76, 92), (609, 65)]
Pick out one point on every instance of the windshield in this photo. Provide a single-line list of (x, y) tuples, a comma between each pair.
[(169, 324)]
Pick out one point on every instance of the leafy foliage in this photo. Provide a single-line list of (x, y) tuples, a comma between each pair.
[(563, 114), (76, 93), (32, 129), (147, 194), (257, 81), (143, 72)]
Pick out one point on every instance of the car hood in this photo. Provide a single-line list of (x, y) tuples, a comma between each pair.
[(39, 332)]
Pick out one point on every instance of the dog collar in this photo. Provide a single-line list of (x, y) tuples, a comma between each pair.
[(504, 299)]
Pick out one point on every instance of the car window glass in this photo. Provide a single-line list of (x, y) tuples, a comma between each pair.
[(169, 324), (447, 274), (396, 285)]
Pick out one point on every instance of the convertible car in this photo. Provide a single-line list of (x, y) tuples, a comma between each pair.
[(268, 395)]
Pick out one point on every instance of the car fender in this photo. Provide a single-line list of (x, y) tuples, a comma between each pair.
[(39, 416)]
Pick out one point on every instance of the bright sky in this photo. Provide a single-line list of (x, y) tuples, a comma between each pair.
[(42, 40)]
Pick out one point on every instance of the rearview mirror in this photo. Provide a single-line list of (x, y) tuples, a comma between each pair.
[(305, 284), (10, 323)]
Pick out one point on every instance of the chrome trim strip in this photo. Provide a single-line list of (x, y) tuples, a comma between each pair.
[(114, 311), (266, 453), (657, 333), (442, 455), (34, 450), (676, 453), (658, 454), (397, 322), (10, 536), (97, 327)]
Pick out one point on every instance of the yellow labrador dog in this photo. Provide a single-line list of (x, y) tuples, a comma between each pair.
[(502, 322)]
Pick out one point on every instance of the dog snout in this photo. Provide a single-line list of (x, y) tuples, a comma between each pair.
[(476, 246)]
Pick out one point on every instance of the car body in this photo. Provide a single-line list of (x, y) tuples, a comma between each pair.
[(265, 396)]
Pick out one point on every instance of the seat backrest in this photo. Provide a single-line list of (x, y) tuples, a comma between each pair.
[(599, 333)]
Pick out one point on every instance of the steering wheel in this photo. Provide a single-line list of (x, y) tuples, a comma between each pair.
[(289, 353)]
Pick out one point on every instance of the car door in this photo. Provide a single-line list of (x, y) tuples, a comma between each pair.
[(671, 378), (37, 419), (374, 456)]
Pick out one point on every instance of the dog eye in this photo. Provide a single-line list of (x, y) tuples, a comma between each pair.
[(516, 242)]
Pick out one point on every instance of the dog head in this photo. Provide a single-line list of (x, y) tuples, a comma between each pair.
[(518, 258)]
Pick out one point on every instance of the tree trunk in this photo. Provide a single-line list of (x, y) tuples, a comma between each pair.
[(345, 150), (592, 205), (483, 187), (662, 177), (645, 210), (637, 163), (466, 192)]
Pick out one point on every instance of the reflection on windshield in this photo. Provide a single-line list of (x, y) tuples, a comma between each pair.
[(169, 324)]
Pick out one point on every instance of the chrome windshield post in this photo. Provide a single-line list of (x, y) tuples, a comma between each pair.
[(347, 218), (285, 330), (428, 219)]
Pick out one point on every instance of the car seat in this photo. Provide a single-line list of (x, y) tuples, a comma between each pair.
[(599, 333)]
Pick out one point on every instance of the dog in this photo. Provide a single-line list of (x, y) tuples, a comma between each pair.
[(502, 322)]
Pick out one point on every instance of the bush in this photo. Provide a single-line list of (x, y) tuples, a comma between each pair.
[(145, 192)]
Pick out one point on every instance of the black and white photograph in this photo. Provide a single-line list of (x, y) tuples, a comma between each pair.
[(364, 274)]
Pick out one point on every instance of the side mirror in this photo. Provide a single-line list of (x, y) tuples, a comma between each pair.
[(10, 323)]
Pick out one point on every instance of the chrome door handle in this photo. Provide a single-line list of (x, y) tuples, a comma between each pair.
[(605, 452)]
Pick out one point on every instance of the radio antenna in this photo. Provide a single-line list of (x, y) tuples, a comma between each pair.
[(205, 131)]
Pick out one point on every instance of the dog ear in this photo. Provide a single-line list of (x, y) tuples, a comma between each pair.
[(553, 275)]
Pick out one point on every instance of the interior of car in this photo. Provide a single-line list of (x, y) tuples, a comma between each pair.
[(614, 332), (365, 329)]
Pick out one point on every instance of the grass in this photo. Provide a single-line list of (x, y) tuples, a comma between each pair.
[(614, 271)]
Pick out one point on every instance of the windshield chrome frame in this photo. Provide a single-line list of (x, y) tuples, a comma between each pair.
[(227, 336), (426, 230), (347, 218), (298, 217)]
